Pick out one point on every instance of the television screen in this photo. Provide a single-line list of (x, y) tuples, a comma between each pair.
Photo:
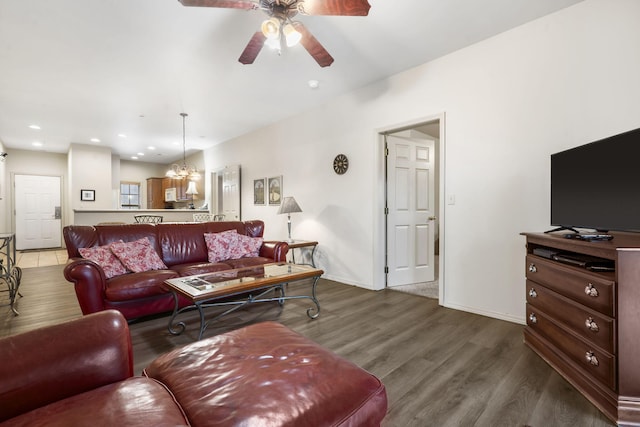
[(597, 185)]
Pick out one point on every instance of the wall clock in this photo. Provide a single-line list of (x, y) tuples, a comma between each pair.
[(340, 164)]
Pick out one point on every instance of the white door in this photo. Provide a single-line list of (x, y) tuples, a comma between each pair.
[(231, 193), (411, 220), (38, 212)]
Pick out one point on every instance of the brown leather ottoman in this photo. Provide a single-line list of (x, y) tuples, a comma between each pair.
[(267, 375)]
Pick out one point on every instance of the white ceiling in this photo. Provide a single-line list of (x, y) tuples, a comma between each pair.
[(83, 69)]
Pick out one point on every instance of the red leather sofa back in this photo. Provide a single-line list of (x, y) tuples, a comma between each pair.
[(176, 243)]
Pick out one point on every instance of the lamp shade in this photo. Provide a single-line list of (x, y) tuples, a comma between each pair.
[(191, 189), (292, 36), (289, 205)]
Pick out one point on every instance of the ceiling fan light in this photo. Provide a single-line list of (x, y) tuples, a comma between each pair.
[(273, 43), (292, 35), (171, 173), (271, 28)]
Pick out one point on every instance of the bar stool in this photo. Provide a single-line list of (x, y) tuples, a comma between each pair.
[(152, 219)]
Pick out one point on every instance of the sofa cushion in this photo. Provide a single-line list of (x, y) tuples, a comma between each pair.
[(199, 268), (138, 285), (220, 245), (248, 262), (136, 401), (138, 256), (245, 246), (103, 256), (181, 243)]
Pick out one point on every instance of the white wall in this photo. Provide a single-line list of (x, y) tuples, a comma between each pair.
[(510, 101), (26, 162), (139, 172), (90, 169)]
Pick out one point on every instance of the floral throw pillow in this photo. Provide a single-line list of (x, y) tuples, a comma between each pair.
[(219, 245), (138, 256), (103, 256), (246, 246)]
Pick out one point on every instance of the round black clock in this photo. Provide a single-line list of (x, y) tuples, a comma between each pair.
[(340, 164)]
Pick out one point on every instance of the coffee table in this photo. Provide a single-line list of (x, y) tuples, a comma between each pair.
[(249, 284)]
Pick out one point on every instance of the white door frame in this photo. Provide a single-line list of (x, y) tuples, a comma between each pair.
[(379, 219)]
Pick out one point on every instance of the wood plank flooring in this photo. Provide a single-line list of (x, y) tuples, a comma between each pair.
[(441, 367)]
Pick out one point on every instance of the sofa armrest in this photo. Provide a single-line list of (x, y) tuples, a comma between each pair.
[(90, 283), (55, 362), (276, 250)]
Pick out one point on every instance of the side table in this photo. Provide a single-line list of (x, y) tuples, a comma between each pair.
[(9, 272), (299, 244)]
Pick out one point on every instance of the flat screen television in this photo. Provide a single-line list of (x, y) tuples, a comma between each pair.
[(597, 185)]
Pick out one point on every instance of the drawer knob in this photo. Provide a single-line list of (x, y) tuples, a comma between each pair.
[(591, 290), (532, 268), (591, 324), (591, 358), (533, 293), (533, 319)]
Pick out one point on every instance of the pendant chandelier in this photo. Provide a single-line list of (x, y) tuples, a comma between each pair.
[(183, 171)]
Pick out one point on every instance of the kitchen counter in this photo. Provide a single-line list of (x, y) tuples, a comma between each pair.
[(93, 217)]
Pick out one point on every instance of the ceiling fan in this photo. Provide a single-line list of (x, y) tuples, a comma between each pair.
[(280, 27)]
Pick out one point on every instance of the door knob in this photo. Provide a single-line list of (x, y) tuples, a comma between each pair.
[(432, 218)]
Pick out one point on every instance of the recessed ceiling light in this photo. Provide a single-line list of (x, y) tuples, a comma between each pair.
[(314, 84), (37, 144), (134, 157), (122, 135), (140, 154), (151, 147), (94, 140), (36, 127)]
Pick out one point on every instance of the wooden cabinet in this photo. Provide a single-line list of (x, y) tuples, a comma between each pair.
[(584, 321), (180, 185), (155, 193)]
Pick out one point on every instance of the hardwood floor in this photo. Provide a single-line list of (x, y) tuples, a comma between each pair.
[(441, 367)]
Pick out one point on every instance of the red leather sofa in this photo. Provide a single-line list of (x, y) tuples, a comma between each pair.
[(182, 248), (81, 373)]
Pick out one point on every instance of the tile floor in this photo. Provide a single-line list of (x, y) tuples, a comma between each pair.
[(28, 259)]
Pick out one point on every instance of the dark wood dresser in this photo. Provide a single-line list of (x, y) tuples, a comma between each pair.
[(583, 316)]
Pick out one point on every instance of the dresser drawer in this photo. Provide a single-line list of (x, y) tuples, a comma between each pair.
[(595, 362), (594, 290), (589, 324)]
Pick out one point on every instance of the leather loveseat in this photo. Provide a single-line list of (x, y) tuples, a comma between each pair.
[(180, 246), (80, 373)]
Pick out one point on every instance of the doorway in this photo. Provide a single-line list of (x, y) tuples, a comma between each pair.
[(226, 194), (38, 213), (413, 188)]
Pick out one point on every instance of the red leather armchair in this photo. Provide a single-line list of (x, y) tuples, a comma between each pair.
[(81, 373)]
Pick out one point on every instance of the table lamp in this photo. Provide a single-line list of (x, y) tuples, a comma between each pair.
[(191, 190), (288, 206)]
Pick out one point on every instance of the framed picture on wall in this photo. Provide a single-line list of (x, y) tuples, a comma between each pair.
[(88, 195), (259, 191), (274, 186)]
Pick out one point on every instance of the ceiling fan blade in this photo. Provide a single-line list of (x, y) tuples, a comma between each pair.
[(313, 46), (253, 48), (230, 4), (335, 7)]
